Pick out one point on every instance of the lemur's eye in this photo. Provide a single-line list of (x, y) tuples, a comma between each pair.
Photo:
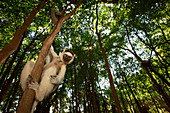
[(64, 55)]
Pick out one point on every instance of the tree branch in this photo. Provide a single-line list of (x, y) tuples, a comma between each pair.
[(13, 45)]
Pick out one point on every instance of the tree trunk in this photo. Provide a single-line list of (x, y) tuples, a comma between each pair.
[(85, 89), (127, 100), (149, 91), (124, 77), (15, 71), (13, 96), (123, 101), (84, 86), (131, 100), (90, 107), (10, 64), (9, 81), (75, 87), (107, 67), (4, 65), (56, 101), (92, 79), (110, 76), (137, 102), (72, 87), (159, 88), (13, 45)]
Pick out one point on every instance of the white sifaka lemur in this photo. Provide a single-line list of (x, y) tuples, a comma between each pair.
[(52, 74)]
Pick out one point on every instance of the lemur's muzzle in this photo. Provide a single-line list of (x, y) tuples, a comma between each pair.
[(66, 58)]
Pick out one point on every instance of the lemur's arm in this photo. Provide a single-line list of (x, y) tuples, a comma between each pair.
[(51, 55)]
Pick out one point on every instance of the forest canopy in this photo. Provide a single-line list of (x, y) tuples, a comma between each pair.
[(121, 47)]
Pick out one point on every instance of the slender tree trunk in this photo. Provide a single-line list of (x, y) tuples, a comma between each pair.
[(107, 67), (89, 94), (97, 102), (9, 81), (72, 101), (139, 107), (56, 102), (150, 96), (86, 91), (13, 45), (110, 76), (127, 100), (83, 84), (4, 106), (159, 89), (92, 78), (47, 109), (153, 101), (124, 77), (75, 87), (13, 96), (123, 101), (10, 64), (104, 104), (3, 67), (15, 71), (131, 101)]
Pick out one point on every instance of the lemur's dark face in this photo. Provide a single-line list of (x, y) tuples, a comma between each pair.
[(66, 56)]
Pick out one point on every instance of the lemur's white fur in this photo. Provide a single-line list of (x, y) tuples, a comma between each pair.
[(25, 73), (52, 75)]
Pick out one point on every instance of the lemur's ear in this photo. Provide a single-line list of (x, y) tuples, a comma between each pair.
[(51, 48), (61, 52), (70, 52)]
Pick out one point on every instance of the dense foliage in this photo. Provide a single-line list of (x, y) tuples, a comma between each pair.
[(134, 35)]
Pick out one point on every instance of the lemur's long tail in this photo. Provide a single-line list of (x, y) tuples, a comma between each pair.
[(33, 106), (25, 73)]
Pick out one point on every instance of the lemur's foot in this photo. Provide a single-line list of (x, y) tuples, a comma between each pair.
[(53, 79), (33, 85), (56, 79), (28, 80)]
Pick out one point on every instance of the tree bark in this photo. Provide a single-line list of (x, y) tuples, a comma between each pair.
[(13, 45), (72, 101), (56, 102), (137, 102), (123, 100), (108, 70), (10, 65), (75, 87), (3, 66), (15, 71), (13, 96), (85, 88), (131, 111), (159, 89), (92, 78), (110, 77)]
